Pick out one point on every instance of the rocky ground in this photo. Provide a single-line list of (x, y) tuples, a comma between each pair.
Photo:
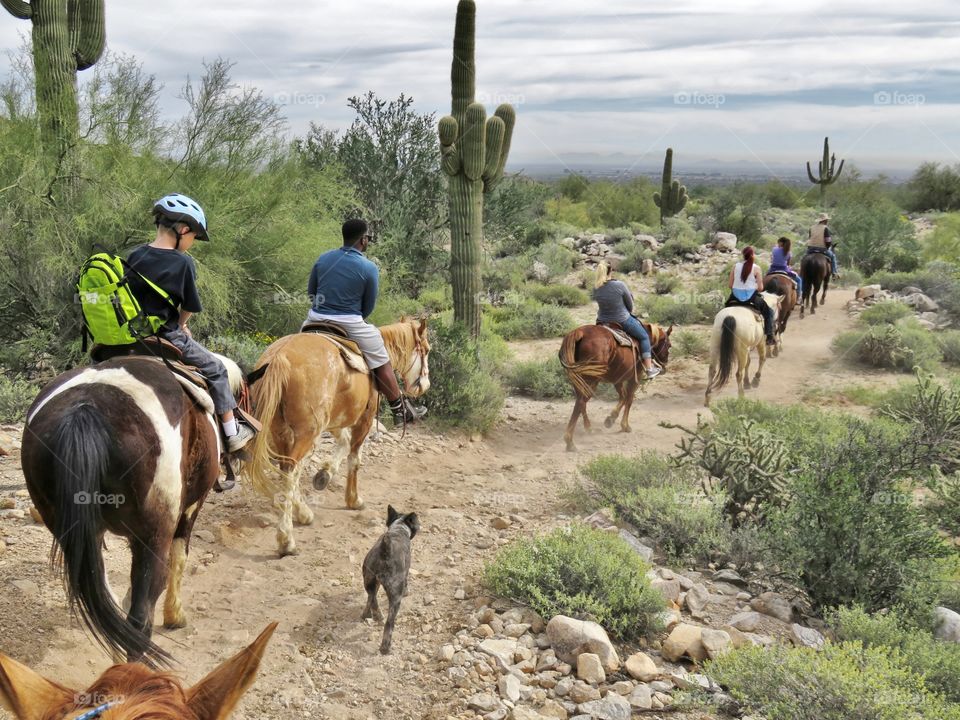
[(456, 652)]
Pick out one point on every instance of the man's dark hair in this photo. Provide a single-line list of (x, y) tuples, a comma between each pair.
[(353, 230)]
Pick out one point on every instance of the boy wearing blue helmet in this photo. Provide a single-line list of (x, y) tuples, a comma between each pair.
[(180, 222)]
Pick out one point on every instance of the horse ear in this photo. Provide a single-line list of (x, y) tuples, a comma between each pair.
[(404, 318), (27, 694), (423, 325), (215, 697), (669, 329)]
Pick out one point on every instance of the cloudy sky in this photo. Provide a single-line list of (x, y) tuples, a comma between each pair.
[(745, 80)]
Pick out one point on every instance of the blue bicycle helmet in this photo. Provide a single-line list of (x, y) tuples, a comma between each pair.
[(179, 208)]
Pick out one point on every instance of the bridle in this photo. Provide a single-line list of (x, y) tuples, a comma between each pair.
[(97, 711), (419, 355)]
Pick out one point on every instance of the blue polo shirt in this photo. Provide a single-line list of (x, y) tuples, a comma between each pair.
[(343, 282)]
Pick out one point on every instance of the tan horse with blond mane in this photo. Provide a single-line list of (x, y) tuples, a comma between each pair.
[(133, 691), (305, 388)]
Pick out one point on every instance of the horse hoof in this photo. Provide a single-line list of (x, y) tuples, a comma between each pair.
[(356, 505), (626, 429), (321, 479), (175, 624), (288, 550), (608, 423), (304, 516), (571, 447)]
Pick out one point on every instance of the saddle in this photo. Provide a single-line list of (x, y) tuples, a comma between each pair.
[(618, 333), (757, 314), (814, 250), (349, 350), (785, 274)]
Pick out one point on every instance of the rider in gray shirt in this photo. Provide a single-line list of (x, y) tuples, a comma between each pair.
[(615, 304)]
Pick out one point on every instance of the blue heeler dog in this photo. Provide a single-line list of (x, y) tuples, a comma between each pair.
[(388, 564)]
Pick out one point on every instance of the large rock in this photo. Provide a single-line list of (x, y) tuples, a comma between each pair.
[(774, 605), (646, 267), (684, 640), (509, 687), (737, 638), (670, 589), (648, 241), (633, 541), (581, 692), (522, 712), (725, 242), (589, 669), (745, 621), (641, 667), (715, 642), (697, 599), (484, 702), (948, 625), (806, 637), (867, 291), (540, 271), (502, 651), (640, 697), (612, 707), (921, 303), (569, 638)]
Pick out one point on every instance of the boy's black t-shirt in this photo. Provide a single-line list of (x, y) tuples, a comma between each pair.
[(172, 270)]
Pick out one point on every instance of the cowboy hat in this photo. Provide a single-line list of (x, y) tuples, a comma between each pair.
[(823, 217)]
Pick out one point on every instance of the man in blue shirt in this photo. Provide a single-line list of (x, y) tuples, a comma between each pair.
[(343, 289)]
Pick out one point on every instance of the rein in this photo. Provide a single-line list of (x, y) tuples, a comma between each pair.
[(97, 711)]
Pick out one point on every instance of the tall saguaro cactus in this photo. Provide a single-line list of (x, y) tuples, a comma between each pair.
[(826, 176), (473, 153), (68, 35), (672, 197)]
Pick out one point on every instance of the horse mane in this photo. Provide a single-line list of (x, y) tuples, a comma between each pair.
[(140, 692), (400, 342)]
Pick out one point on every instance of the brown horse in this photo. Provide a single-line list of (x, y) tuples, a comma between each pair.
[(133, 691), (122, 446), (307, 388), (815, 271), (591, 355), (782, 285)]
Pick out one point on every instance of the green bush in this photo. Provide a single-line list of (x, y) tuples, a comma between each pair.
[(843, 681), (531, 320), (563, 295), (936, 661), (934, 188), (245, 351), (931, 411), (682, 309), (690, 344), (902, 346), (435, 300), (949, 341), (542, 379), (662, 502), (558, 259), (665, 283), (888, 311), (16, 396), (583, 573), (943, 507), (874, 236), (464, 392), (633, 256), (944, 242)]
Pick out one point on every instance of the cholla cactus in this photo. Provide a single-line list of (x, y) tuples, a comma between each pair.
[(826, 176), (672, 197), (473, 154), (68, 35)]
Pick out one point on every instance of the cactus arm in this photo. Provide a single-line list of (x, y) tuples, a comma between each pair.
[(810, 175), (509, 116), (839, 170), (18, 8), (449, 156), (494, 144), (472, 141), (87, 31), (657, 200)]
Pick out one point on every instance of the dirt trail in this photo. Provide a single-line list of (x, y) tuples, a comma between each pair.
[(323, 660)]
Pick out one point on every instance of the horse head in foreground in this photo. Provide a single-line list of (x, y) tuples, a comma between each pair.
[(122, 446), (133, 691), (591, 355), (307, 386), (736, 331)]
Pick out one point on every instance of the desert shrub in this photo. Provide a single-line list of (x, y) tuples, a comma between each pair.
[(620, 234), (931, 410), (392, 306), (245, 351), (665, 283), (558, 259), (435, 300), (531, 320), (943, 508), (944, 242), (16, 396), (902, 346), (679, 239), (539, 379), (464, 393), (844, 681), (888, 311), (934, 188), (852, 278), (949, 341), (563, 295), (690, 344), (874, 236), (662, 502), (583, 573), (633, 256), (682, 309), (938, 662), (781, 195)]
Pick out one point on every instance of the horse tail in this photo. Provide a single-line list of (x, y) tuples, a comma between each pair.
[(267, 394), (81, 447), (728, 345), (577, 371)]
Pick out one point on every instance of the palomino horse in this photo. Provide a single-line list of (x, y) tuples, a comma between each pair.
[(306, 387), (782, 285), (736, 331), (815, 271), (133, 691), (591, 355), (122, 446)]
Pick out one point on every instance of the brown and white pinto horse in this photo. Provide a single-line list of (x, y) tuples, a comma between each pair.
[(591, 355), (120, 446), (133, 691), (306, 388)]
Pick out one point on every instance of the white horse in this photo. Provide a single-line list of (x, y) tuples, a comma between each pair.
[(736, 331)]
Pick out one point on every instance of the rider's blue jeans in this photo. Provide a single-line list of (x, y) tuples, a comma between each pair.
[(833, 260), (634, 329)]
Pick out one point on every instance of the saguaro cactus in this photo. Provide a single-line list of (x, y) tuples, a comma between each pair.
[(68, 35), (473, 153), (672, 197), (827, 176)]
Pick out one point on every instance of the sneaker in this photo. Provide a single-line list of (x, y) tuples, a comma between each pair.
[(653, 372), (408, 412), (245, 434)]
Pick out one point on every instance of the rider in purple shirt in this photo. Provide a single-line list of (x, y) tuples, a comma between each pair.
[(780, 260)]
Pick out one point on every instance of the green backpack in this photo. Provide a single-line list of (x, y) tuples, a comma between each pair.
[(111, 313)]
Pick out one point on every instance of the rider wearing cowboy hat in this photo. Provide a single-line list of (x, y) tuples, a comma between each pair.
[(820, 238)]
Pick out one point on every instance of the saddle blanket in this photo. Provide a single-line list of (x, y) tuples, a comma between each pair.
[(349, 351), (621, 337), (783, 274)]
